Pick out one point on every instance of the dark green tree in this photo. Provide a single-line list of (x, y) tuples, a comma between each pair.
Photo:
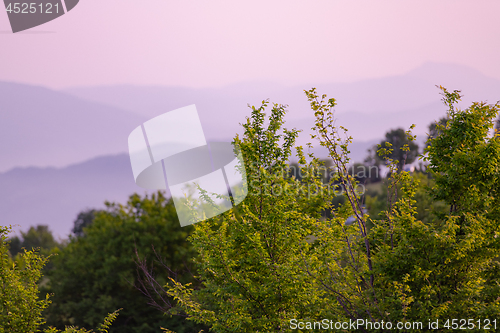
[(394, 141), (435, 129), (83, 220), (97, 273), (39, 237), (15, 245)]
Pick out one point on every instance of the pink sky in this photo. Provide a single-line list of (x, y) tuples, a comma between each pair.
[(212, 43)]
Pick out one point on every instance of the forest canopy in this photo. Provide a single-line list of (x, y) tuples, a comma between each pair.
[(415, 246)]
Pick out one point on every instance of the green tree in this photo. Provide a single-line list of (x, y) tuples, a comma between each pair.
[(20, 306), (39, 237), (426, 206), (83, 220), (409, 269), (395, 140), (276, 257), (435, 129), (251, 257), (446, 269), (97, 273), (365, 174)]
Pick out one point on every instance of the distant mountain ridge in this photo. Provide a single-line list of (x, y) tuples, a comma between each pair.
[(54, 196), (43, 127), (81, 130), (367, 108)]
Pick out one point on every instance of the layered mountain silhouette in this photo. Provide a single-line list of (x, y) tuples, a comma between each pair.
[(43, 127), (65, 151), (367, 108), (55, 196)]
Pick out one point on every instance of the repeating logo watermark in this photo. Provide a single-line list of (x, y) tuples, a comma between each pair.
[(360, 173), (204, 179), (26, 14)]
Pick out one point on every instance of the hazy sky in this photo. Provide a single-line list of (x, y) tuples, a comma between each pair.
[(212, 43)]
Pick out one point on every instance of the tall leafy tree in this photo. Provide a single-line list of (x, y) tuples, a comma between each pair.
[(276, 258), (251, 257), (446, 268), (435, 129), (395, 140), (38, 237)]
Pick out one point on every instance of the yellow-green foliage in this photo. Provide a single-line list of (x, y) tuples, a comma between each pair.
[(20, 307), (414, 264)]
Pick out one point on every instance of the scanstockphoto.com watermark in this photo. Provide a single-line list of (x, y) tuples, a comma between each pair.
[(438, 324), (327, 324), (326, 187), (170, 151), (26, 14), (206, 179), (306, 190)]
